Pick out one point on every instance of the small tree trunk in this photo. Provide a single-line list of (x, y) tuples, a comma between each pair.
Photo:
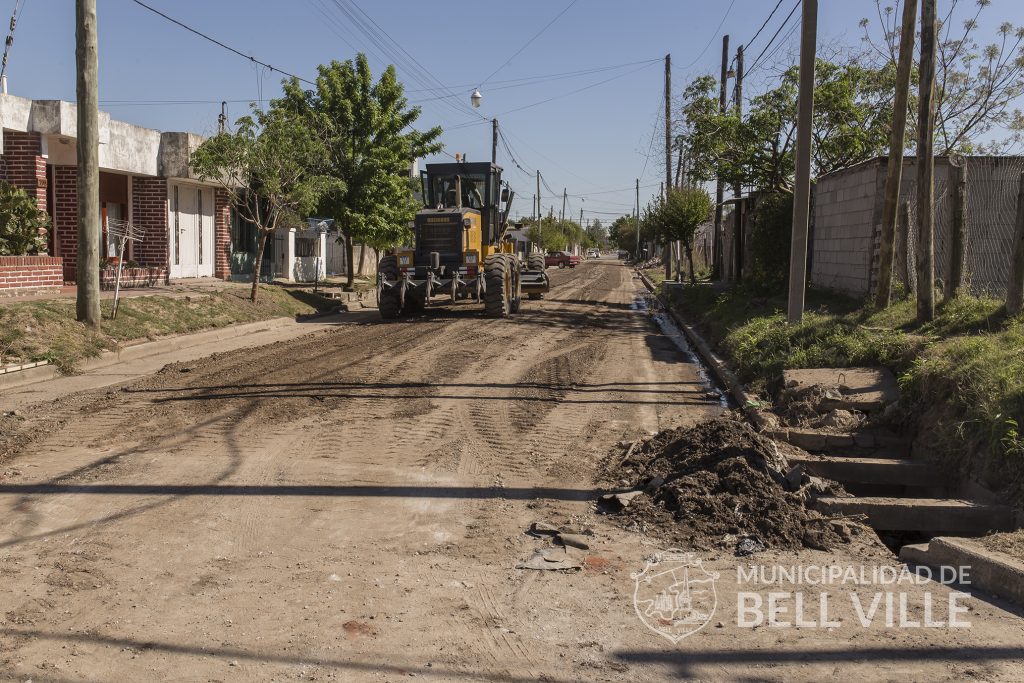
[(258, 266), (349, 262), (362, 258), (958, 234), (689, 259), (1015, 286)]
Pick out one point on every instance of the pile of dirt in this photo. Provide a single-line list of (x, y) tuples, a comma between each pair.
[(719, 483)]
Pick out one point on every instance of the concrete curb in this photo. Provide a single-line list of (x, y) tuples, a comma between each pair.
[(717, 366), (991, 572), (145, 349)]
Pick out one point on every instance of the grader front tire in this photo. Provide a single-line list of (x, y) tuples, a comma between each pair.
[(499, 294)]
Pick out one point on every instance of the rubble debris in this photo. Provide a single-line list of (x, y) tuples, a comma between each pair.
[(572, 540), (748, 545), (555, 558), (615, 502), (716, 478)]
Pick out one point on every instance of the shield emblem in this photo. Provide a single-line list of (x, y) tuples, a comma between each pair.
[(674, 595)]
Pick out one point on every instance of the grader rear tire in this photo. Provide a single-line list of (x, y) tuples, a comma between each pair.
[(536, 262), (499, 294), (388, 303)]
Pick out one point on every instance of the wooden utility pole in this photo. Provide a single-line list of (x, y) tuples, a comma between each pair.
[(494, 141), (737, 190), (958, 234), (1015, 286), (897, 141), (926, 167), (540, 213), (802, 187), (565, 198), (668, 120), (638, 218), (87, 305), (717, 270)]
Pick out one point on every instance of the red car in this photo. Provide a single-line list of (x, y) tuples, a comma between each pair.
[(561, 259)]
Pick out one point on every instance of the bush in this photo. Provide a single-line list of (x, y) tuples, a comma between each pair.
[(22, 225), (770, 239)]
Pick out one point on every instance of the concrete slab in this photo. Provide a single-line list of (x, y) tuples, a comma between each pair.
[(871, 470), (990, 571), (863, 389), (935, 515)]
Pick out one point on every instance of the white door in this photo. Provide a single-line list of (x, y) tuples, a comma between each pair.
[(191, 231), (204, 229)]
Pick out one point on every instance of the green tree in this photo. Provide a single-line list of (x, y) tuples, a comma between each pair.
[(976, 85), (370, 146), (264, 166), (552, 234), (598, 234), (677, 217), (22, 225), (852, 117), (622, 233)]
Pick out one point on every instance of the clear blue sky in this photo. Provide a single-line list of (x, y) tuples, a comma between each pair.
[(589, 141)]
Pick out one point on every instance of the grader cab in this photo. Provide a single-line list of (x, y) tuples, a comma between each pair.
[(460, 251)]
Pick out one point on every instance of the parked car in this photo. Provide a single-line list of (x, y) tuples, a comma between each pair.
[(623, 254), (562, 259), (593, 253)]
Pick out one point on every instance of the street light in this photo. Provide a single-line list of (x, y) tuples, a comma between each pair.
[(476, 98)]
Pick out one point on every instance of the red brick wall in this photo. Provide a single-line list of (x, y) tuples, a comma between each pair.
[(65, 218), (29, 272), (24, 166), (222, 235), (149, 211)]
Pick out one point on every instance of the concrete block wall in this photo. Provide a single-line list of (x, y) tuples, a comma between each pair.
[(35, 273), (844, 229), (149, 211)]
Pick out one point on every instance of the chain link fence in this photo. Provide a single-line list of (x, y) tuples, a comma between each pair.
[(992, 186)]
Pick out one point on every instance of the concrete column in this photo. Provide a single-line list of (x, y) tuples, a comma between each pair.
[(289, 261)]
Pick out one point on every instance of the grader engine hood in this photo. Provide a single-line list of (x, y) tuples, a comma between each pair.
[(444, 231)]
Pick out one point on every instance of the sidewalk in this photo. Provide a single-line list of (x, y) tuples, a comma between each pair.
[(144, 359), (177, 288)]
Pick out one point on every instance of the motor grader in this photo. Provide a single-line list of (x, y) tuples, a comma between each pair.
[(461, 249)]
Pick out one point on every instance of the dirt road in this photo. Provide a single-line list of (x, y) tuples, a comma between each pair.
[(351, 506)]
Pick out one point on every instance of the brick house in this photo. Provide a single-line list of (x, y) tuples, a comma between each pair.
[(144, 178)]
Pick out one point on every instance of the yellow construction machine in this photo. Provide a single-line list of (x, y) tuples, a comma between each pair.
[(461, 249)]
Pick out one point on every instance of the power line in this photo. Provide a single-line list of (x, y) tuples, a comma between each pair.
[(220, 44), (774, 10), (527, 43), (713, 36), (756, 63), (528, 82)]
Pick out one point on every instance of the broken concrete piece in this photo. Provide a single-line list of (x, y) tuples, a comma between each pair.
[(795, 477), (542, 529), (572, 540), (552, 559), (617, 501)]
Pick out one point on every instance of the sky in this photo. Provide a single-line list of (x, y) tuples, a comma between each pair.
[(587, 125)]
